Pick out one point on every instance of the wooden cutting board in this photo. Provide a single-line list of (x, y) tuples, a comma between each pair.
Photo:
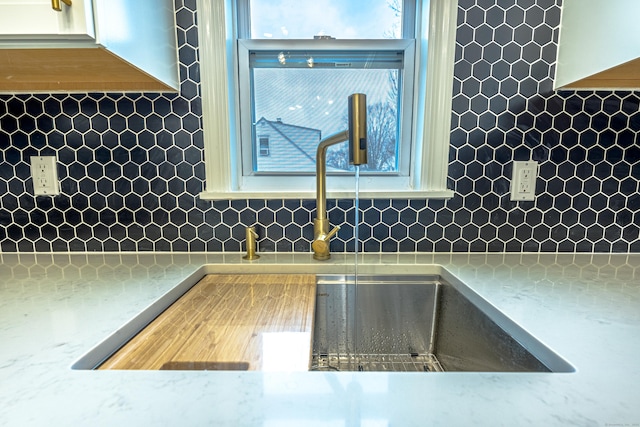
[(229, 321)]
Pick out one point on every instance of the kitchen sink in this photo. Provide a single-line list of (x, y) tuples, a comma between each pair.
[(423, 323), (429, 322)]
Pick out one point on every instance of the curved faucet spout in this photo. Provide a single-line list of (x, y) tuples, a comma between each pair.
[(357, 137), (321, 171)]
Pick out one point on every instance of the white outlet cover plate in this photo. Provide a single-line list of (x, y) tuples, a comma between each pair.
[(523, 181), (44, 174)]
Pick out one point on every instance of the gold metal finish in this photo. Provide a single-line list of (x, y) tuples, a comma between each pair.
[(357, 137), (55, 4), (321, 232), (358, 129), (251, 244), (322, 235)]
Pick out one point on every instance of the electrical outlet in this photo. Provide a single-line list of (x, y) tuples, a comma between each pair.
[(44, 173), (523, 180)]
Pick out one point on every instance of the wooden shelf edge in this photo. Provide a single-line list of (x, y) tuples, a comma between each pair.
[(71, 71)]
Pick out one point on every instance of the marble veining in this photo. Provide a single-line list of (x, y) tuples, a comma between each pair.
[(54, 307)]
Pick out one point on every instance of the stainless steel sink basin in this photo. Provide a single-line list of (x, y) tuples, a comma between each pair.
[(427, 322), (419, 323)]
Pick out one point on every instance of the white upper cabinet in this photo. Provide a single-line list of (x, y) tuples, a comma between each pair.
[(88, 46), (599, 45), (31, 19)]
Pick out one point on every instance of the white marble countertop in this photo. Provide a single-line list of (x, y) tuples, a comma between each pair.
[(55, 307)]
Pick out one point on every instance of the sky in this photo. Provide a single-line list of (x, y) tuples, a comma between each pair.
[(318, 102), (302, 19)]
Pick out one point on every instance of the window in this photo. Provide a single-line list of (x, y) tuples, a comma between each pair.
[(299, 63), (264, 146), (255, 73), (306, 88)]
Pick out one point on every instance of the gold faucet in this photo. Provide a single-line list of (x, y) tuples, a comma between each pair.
[(357, 137), (251, 244)]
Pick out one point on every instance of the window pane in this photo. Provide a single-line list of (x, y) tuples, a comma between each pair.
[(264, 145), (297, 107), (342, 19)]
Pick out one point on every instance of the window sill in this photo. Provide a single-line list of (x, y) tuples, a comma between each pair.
[(309, 195), (338, 187)]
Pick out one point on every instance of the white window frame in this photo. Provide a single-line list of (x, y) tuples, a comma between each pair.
[(434, 85), (345, 181)]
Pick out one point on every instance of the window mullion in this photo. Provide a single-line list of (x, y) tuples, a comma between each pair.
[(409, 19), (243, 21)]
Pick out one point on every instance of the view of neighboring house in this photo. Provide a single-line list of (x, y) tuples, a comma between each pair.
[(282, 147)]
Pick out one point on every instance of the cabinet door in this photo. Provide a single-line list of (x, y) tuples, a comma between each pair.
[(36, 19), (598, 45)]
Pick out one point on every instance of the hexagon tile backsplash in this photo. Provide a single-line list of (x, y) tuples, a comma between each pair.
[(131, 165)]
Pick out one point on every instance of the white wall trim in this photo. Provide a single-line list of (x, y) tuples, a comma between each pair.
[(430, 168)]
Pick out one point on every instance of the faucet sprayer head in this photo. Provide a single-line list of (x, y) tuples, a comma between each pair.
[(358, 129)]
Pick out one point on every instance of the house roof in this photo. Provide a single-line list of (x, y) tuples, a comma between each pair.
[(300, 143)]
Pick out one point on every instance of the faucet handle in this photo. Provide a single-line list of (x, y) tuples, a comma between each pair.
[(320, 245), (331, 233)]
